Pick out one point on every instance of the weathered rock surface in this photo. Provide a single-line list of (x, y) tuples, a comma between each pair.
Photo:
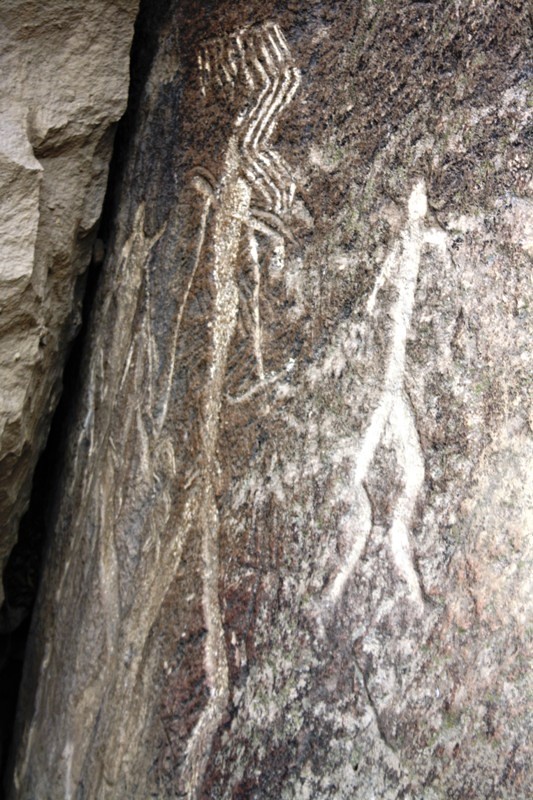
[(292, 557), (64, 69)]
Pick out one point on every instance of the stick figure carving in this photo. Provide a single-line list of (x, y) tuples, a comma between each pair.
[(392, 420)]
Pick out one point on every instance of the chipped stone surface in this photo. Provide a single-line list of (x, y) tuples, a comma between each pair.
[(292, 552), (65, 71)]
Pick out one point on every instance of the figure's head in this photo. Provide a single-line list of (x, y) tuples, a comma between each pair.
[(418, 204)]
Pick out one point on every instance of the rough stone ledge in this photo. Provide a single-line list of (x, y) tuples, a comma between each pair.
[(65, 72)]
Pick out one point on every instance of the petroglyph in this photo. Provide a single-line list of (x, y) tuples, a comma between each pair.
[(257, 60), (115, 679), (252, 193), (392, 422), (254, 190)]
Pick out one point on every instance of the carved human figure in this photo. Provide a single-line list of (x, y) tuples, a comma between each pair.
[(392, 421), (254, 190)]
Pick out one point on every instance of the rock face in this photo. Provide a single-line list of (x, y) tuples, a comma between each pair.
[(65, 73), (291, 550)]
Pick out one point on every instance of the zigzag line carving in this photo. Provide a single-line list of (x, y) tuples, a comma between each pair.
[(259, 61)]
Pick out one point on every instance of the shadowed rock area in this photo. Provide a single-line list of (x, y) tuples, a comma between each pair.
[(291, 545)]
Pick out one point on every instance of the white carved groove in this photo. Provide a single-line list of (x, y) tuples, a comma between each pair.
[(227, 216), (258, 60), (393, 420)]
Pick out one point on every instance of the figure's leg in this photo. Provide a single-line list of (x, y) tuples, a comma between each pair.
[(356, 525), (215, 658), (358, 522), (409, 454), (258, 344)]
